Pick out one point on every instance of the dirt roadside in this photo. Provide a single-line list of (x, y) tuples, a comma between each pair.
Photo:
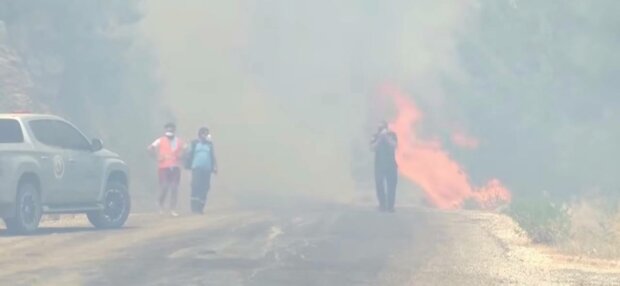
[(66, 246), (492, 247)]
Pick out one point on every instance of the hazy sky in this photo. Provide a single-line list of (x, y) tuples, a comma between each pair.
[(286, 86), (289, 88)]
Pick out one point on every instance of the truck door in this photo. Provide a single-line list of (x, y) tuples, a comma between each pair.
[(83, 170), (52, 160)]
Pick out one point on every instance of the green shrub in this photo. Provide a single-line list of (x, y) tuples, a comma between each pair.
[(545, 221)]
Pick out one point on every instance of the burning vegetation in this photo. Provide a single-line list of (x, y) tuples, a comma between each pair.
[(425, 163)]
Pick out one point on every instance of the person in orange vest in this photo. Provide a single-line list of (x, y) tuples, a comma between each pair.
[(169, 150)]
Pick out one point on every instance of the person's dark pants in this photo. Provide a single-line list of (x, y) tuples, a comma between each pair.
[(386, 179), (201, 182)]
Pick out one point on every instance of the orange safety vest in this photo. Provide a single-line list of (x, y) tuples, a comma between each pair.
[(169, 157)]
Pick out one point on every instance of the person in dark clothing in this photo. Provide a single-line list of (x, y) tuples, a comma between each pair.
[(384, 144), (202, 162)]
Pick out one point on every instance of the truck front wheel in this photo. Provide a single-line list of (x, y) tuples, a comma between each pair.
[(116, 207), (28, 210)]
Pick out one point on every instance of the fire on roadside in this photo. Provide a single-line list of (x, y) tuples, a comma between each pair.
[(425, 163)]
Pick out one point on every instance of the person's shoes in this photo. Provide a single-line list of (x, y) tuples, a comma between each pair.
[(174, 214), (391, 210), (381, 209)]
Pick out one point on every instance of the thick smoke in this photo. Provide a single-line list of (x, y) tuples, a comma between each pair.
[(288, 87), (539, 93), (83, 60)]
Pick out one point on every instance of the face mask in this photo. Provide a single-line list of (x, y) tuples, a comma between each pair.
[(169, 134), (209, 137)]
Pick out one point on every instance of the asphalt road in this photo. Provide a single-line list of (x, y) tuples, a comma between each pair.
[(297, 245), (328, 248)]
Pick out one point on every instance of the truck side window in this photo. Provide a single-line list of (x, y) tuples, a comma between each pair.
[(44, 132), (58, 134), (71, 138), (10, 131)]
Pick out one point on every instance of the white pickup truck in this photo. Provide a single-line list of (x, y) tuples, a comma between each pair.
[(47, 166)]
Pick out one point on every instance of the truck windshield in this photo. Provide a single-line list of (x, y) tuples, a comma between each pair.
[(10, 131)]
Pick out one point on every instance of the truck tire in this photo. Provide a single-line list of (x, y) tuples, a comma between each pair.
[(116, 207), (28, 210)]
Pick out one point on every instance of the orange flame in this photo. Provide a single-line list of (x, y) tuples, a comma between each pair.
[(425, 163)]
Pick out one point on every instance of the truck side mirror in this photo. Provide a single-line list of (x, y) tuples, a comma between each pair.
[(96, 145)]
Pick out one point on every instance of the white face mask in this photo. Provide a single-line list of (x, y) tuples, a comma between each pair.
[(169, 134), (209, 137)]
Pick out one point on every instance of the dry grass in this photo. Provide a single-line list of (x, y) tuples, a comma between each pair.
[(587, 226), (594, 228)]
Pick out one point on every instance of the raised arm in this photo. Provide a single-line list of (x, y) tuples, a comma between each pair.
[(151, 148), (392, 139)]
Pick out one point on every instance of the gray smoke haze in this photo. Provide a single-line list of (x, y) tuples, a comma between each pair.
[(82, 60), (289, 88), (286, 86)]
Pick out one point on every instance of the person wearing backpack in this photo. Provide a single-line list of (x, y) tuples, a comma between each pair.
[(202, 162)]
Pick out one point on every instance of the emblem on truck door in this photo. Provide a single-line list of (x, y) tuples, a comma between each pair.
[(59, 167)]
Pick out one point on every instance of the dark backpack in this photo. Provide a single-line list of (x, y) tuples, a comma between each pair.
[(189, 159)]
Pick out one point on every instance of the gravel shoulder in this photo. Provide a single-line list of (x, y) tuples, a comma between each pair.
[(489, 248)]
